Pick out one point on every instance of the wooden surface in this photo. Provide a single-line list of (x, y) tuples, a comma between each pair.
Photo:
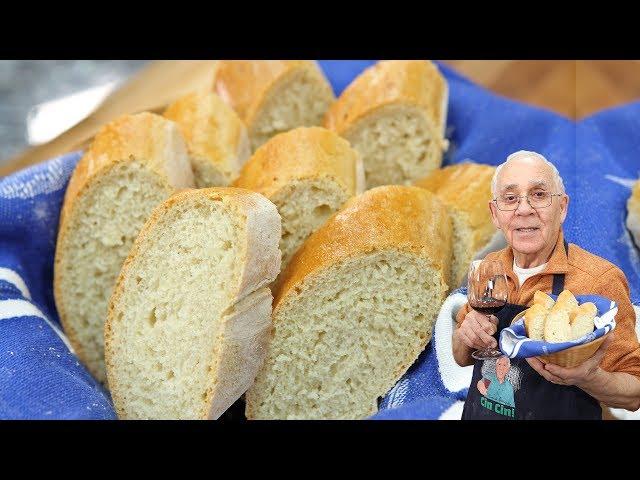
[(571, 88), (574, 89), (152, 89)]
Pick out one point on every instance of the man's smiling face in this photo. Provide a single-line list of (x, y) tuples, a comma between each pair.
[(527, 230)]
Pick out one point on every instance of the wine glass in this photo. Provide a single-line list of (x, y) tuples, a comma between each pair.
[(487, 292)]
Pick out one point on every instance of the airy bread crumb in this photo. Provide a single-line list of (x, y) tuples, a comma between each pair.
[(394, 115), (134, 163), (355, 307), (190, 317)]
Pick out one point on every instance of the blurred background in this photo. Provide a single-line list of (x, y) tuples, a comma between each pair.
[(575, 89), (29, 88), (50, 107)]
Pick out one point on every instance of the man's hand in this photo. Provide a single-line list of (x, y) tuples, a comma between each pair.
[(580, 375), (476, 331), (482, 387)]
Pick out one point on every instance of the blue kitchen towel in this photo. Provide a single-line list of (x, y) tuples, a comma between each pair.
[(41, 378), (515, 344), (607, 164)]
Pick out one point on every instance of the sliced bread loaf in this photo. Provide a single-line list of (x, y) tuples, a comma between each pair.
[(633, 215), (556, 326), (534, 319), (582, 318), (189, 319), (216, 138), (355, 307), (133, 164), (541, 298), (309, 173), (466, 190), (394, 115), (273, 96), (566, 302)]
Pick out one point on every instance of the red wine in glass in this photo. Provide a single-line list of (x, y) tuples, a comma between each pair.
[(488, 306), (487, 293)]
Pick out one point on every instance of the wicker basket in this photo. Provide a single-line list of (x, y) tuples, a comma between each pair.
[(570, 357)]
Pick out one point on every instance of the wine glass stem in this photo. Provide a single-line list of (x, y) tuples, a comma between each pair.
[(489, 349)]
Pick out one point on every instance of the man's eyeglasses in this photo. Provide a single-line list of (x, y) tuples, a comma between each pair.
[(509, 201)]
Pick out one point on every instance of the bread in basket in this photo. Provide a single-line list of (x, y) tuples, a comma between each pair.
[(522, 339)]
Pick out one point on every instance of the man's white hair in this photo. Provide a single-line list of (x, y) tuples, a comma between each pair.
[(526, 154)]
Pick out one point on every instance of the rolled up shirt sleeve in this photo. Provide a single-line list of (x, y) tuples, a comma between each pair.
[(462, 312), (623, 355)]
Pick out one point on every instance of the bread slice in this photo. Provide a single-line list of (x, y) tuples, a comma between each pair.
[(394, 114), (541, 298), (581, 320), (216, 138), (466, 190), (566, 301), (133, 164), (309, 173), (189, 320), (355, 307), (273, 96), (633, 215), (557, 327), (534, 320)]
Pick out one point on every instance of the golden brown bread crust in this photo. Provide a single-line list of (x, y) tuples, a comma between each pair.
[(126, 136), (465, 188), (541, 298), (566, 302), (129, 136), (245, 84), (387, 218), (391, 217), (211, 128), (301, 153), (392, 82)]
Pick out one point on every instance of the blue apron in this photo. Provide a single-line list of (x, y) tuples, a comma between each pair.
[(507, 389)]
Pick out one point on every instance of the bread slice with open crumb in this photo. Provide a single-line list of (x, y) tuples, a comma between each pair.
[(355, 307), (190, 317), (534, 320), (394, 114), (557, 327), (216, 138), (309, 173), (133, 164), (581, 319), (273, 96), (465, 189), (541, 298), (566, 302)]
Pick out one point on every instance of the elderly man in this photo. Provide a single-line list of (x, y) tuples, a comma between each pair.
[(529, 207)]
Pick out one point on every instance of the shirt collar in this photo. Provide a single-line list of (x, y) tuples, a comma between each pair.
[(557, 263)]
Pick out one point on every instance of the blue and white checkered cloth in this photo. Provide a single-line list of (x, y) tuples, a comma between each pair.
[(40, 377)]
